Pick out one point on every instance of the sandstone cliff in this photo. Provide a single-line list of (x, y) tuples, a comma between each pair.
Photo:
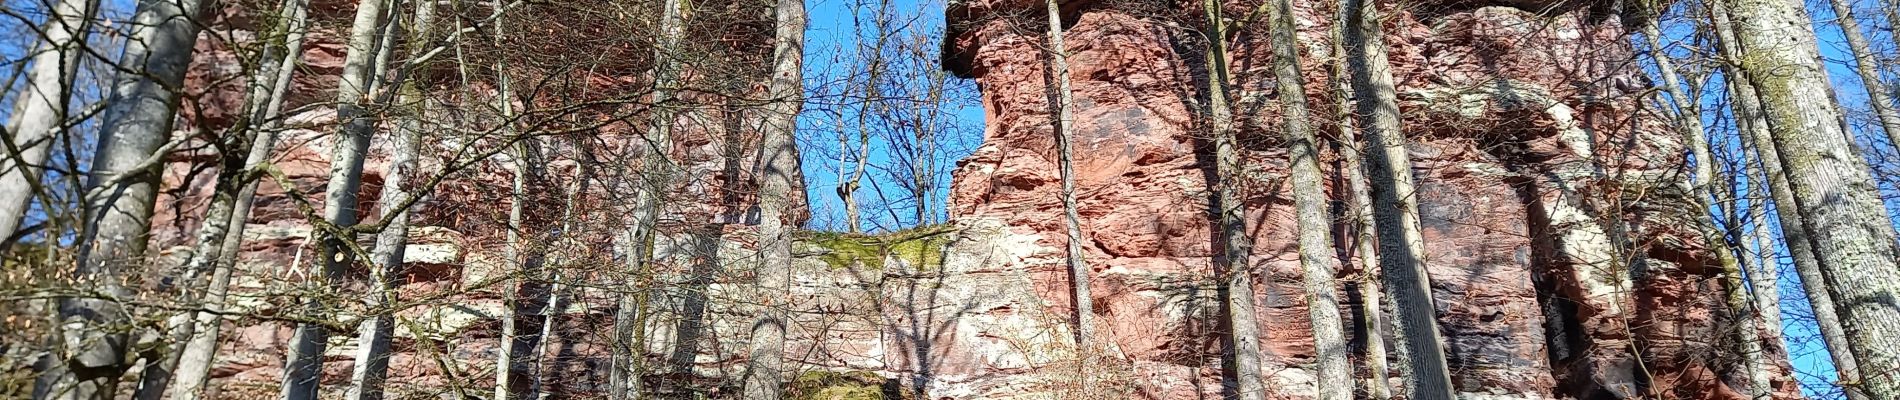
[(1558, 244)]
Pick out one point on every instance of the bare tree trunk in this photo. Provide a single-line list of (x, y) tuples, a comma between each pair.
[(374, 333), (120, 190), (1318, 262), (1234, 263), (39, 110), (1763, 268), (1867, 65), (1061, 100), (551, 309), (1374, 306), (765, 361), (336, 249), (1359, 209), (1401, 244), (1755, 129), (1832, 189), (530, 294), (1703, 191), (268, 96), (395, 203), (1761, 262), (629, 357)]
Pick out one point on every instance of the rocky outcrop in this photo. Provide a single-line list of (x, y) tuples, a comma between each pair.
[(1558, 236), (1561, 248)]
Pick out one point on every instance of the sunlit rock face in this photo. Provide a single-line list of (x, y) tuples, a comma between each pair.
[(1556, 229), (1558, 237)]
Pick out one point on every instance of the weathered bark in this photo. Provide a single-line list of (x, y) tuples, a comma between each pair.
[(1757, 249), (375, 331), (395, 204), (765, 360), (1395, 207), (1832, 189), (1867, 65), (1761, 263), (1319, 266), (1234, 260), (272, 82), (1061, 100), (534, 348), (1688, 118), (1755, 130), (530, 295), (121, 188), (303, 363), (39, 109), (629, 350), (1372, 305), (1358, 208)]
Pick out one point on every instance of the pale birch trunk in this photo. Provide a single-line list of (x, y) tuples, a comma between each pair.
[(1061, 99), (1755, 131), (529, 296), (268, 96), (1318, 262), (396, 204), (1688, 118), (1832, 189), (1867, 65), (336, 242), (1359, 210), (629, 349), (121, 188), (1401, 244), (39, 109), (1234, 263), (765, 361), (376, 329)]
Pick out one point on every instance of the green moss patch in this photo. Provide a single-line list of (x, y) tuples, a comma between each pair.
[(921, 247), (832, 385)]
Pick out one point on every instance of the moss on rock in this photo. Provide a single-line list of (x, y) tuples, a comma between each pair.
[(921, 247), (833, 385)]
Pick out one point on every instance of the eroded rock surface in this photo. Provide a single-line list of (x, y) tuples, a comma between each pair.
[(1556, 230), (1559, 242)]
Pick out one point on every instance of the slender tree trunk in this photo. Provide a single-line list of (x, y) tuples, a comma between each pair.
[(375, 332), (552, 308), (629, 357), (765, 362), (1395, 207), (120, 191), (1755, 129), (336, 249), (273, 82), (1755, 254), (1359, 209), (161, 362), (1867, 65), (1832, 189), (1374, 306), (1061, 100), (530, 295), (1234, 261), (1763, 268), (39, 109), (1318, 262), (1689, 121)]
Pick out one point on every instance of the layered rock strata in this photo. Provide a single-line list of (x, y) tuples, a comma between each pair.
[(1558, 236)]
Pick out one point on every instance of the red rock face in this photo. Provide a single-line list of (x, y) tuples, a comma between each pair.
[(1559, 246), (1556, 229)]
